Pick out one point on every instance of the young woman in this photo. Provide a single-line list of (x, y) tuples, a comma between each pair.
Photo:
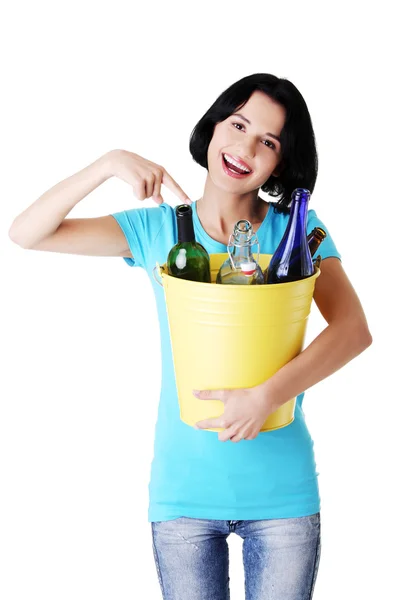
[(264, 488)]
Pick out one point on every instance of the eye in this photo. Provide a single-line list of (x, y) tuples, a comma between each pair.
[(272, 145)]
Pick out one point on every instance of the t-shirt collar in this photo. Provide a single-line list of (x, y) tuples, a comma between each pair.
[(203, 236)]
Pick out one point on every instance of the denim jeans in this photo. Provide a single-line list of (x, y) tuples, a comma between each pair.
[(280, 557)]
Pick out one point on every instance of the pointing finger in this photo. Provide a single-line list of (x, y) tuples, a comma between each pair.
[(158, 198), (171, 184)]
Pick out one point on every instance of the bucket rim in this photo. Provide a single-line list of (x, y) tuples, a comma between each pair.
[(163, 272)]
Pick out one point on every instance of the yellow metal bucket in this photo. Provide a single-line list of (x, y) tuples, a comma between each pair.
[(233, 336)]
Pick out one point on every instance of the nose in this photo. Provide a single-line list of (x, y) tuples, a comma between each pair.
[(247, 150)]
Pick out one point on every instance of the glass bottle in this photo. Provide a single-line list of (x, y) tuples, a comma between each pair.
[(315, 238), (241, 268), (317, 261), (292, 258), (188, 259)]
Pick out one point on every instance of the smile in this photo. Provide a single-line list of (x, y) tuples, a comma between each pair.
[(233, 170)]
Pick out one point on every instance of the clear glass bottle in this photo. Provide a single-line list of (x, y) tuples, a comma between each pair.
[(292, 259), (241, 268), (188, 259)]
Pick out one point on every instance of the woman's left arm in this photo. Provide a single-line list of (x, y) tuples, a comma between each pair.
[(345, 337)]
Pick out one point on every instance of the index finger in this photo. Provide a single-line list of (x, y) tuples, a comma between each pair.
[(171, 184)]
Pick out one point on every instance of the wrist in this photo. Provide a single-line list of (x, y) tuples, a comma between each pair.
[(106, 164), (271, 394)]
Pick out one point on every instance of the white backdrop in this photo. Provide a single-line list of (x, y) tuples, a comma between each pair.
[(79, 335)]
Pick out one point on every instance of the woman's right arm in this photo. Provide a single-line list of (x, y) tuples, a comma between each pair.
[(43, 226)]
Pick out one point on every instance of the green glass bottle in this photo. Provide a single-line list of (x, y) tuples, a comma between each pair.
[(188, 259)]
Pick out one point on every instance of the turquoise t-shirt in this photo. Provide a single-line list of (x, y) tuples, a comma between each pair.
[(193, 474)]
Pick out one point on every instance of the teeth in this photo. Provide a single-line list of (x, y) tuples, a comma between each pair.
[(233, 162)]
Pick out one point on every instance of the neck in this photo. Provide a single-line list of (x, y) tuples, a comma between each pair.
[(219, 210)]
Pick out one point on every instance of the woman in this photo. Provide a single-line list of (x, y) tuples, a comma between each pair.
[(264, 488)]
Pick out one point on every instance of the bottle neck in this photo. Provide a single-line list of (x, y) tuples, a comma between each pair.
[(241, 251), (185, 227), (241, 238), (319, 234), (298, 218)]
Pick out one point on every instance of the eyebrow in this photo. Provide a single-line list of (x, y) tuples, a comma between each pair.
[(247, 121)]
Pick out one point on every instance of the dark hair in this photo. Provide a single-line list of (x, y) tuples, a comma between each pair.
[(299, 152)]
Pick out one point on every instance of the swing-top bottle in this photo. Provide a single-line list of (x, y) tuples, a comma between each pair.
[(241, 268)]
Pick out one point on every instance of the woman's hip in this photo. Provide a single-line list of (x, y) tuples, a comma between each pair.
[(278, 554)]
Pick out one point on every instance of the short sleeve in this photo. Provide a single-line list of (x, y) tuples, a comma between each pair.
[(141, 227), (327, 247)]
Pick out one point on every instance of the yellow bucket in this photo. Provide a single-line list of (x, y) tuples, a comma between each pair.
[(233, 336)]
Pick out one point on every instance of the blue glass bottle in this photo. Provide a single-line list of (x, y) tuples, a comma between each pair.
[(292, 259)]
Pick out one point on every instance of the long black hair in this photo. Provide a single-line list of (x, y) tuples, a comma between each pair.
[(299, 162)]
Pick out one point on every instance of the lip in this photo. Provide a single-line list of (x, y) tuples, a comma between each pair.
[(230, 173), (240, 161)]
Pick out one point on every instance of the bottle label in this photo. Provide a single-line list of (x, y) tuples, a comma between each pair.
[(181, 259)]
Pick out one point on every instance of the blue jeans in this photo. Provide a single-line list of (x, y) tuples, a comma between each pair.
[(280, 557)]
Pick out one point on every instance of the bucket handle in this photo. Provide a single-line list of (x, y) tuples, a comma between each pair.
[(256, 242), (160, 270)]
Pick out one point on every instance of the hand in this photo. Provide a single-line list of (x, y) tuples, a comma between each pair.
[(144, 176), (245, 412)]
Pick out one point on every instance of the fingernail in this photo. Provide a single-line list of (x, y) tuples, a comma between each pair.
[(196, 392)]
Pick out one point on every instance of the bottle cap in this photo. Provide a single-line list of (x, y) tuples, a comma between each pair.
[(248, 268)]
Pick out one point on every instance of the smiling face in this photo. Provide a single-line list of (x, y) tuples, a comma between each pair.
[(249, 140)]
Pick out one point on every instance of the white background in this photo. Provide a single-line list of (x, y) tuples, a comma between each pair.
[(79, 335)]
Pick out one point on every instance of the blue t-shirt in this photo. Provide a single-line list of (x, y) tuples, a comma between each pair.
[(193, 473)]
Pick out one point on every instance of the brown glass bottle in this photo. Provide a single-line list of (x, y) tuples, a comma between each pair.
[(315, 238)]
